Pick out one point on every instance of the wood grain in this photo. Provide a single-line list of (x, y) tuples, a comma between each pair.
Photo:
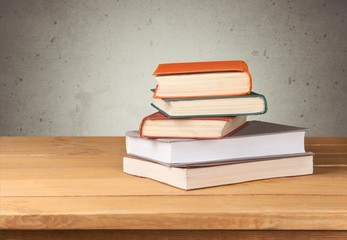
[(173, 235), (78, 183), (110, 181), (176, 212)]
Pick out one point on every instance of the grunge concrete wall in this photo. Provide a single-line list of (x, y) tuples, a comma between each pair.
[(84, 67)]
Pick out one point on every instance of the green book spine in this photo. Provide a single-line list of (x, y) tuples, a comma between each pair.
[(253, 94)]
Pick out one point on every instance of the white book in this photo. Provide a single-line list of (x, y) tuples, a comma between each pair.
[(234, 172), (257, 139)]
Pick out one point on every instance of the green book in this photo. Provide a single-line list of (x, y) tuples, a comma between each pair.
[(251, 104)]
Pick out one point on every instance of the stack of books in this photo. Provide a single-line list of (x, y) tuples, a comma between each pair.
[(200, 136)]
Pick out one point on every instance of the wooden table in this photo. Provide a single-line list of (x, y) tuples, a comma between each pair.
[(75, 188)]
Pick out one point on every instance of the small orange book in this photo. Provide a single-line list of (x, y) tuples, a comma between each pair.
[(158, 125), (202, 79)]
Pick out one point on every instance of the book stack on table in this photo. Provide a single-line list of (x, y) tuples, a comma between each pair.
[(200, 136)]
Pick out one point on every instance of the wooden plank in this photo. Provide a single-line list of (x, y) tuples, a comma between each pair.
[(99, 173), (61, 162), (333, 147), (62, 146), (330, 159), (108, 179), (176, 212), (57, 162), (327, 149), (42, 179), (98, 145), (172, 235), (325, 140)]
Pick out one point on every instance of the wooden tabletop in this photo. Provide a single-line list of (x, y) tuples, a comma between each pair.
[(78, 183)]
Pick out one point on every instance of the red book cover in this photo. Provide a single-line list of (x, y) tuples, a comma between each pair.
[(201, 67), (160, 116), (171, 69)]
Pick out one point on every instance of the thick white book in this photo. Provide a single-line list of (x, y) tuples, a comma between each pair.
[(257, 139), (221, 174)]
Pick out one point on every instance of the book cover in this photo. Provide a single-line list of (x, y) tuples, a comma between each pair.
[(214, 78), (208, 176), (197, 123), (256, 139), (201, 67), (170, 102)]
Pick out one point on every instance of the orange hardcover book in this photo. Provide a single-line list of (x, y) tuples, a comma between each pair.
[(202, 79), (201, 67), (158, 125)]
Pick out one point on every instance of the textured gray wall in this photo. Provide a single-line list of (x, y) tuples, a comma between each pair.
[(84, 67)]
